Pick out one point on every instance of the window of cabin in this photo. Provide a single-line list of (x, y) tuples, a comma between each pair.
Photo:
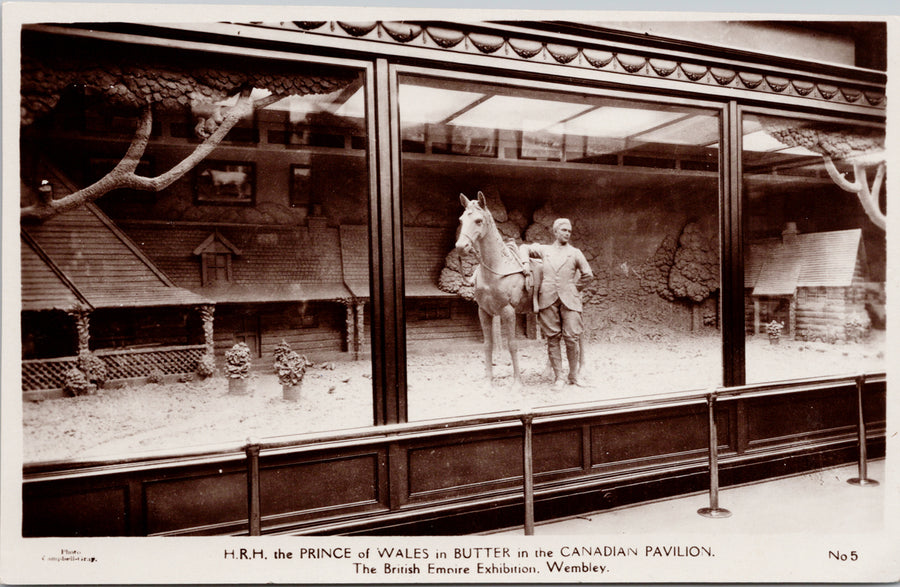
[(216, 268)]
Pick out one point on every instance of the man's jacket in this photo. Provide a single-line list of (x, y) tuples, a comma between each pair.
[(563, 268)]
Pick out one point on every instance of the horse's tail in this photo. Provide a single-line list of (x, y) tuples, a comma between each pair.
[(533, 278)]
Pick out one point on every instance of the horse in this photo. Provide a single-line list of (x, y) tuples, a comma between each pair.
[(501, 287)]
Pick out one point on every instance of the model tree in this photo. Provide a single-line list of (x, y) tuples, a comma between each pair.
[(686, 268), (695, 270), (217, 98), (861, 148)]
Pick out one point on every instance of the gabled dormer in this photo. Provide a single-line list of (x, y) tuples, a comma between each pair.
[(216, 255)]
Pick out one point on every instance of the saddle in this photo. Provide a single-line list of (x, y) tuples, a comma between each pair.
[(532, 269)]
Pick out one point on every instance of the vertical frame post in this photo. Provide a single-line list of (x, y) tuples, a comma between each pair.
[(386, 255), (732, 250)]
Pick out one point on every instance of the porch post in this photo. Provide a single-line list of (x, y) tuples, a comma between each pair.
[(360, 328), (206, 314), (756, 316), (792, 316), (82, 317), (350, 324)]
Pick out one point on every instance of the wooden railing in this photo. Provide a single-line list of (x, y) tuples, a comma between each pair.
[(246, 455), (49, 374)]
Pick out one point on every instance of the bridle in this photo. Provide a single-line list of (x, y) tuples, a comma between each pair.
[(477, 249)]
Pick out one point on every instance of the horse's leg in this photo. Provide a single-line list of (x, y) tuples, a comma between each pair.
[(487, 327), (508, 320)]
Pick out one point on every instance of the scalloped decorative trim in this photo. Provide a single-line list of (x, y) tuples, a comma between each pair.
[(402, 32), (750, 80), (525, 49), (693, 71), (630, 64), (358, 29), (663, 67), (562, 53), (487, 44), (723, 76), (446, 38), (803, 88), (851, 94), (778, 84), (598, 58)]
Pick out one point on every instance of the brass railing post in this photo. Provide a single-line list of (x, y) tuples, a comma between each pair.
[(528, 462), (861, 431), (713, 511), (253, 508)]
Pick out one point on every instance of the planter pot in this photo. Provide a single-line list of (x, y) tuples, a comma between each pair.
[(291, 393), (774, 340), (237, 386)]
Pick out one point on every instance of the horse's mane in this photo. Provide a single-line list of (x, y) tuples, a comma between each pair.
[(508, 249)]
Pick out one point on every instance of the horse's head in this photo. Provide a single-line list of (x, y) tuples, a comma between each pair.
[(473, 224)]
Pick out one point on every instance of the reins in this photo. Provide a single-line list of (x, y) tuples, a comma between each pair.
[(477, 248)]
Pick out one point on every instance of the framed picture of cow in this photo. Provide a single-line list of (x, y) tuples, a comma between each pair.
[(225, 182)]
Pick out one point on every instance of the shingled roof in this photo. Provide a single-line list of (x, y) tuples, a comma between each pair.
[(274, 264), (96, 262), (820, 259), (44, 285), (424, 251), (288, 263)]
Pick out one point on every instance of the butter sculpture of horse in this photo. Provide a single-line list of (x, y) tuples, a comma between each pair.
[(500, 280)]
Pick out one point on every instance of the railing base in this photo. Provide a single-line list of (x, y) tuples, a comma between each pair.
[(714, 513), (862, 482)]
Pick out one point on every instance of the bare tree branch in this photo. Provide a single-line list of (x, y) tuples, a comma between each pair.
[(860, 186), (123, 174)]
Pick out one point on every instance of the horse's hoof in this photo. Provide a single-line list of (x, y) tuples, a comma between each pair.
[(516, 387)]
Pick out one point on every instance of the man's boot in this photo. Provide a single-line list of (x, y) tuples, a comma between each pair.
[(555, 353), (573, 354)]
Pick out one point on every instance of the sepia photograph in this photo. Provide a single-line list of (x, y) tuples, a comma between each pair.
[(378, 296)]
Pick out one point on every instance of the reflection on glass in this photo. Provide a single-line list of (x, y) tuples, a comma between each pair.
[(639, 183), (815, 253), (258, 250)]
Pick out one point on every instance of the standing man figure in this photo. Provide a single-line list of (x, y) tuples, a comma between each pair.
[(565, 273)]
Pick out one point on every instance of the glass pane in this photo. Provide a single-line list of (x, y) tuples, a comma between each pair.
[(260, 241), (814, 252), (638, 182)]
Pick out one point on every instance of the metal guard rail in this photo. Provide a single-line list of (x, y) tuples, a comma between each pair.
[(252, 448)]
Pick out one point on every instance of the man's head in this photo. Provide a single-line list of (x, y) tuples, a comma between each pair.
[(562, 230)]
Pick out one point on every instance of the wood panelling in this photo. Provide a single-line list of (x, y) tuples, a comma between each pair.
[(662, 434), (189, 502), (298, 487), (92, 512), (800, 416), (558, 451), (465, 464)]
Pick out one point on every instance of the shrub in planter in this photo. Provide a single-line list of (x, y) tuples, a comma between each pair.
[(93, 368), (237, 367), (155, 376), (290, 369), (857, 328), (77, 383), (773, 329), (206, 366)]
